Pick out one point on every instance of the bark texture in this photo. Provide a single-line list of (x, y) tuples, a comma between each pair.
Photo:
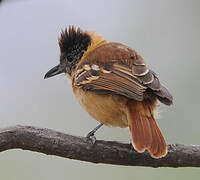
[(51, 142)]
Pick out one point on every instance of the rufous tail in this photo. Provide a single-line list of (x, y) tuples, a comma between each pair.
[(145, 133)]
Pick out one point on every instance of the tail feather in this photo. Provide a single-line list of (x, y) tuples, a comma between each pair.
[(145, 132), (143, 139), (158, 147)]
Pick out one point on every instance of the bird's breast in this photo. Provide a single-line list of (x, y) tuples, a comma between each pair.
[(108, 109)]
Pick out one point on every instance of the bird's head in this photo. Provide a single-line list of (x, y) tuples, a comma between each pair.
[(74, 45)]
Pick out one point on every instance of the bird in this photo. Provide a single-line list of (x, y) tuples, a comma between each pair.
[(112, 82)]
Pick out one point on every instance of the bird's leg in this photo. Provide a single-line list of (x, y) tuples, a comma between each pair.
[(91, 135)]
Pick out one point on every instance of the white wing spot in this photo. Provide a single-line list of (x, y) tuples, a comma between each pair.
[(86, 67), (123, 47), (91, 78), (105, 71), (80, 74), (142, 74), (95, 67)]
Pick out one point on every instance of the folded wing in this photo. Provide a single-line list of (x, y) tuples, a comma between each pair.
[(127, 76)]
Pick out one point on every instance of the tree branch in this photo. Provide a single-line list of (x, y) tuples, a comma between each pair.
[(51, 142)]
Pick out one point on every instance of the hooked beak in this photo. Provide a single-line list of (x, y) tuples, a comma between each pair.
[(54, 71)]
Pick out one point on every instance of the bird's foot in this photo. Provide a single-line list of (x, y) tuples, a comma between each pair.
[(91, 137)]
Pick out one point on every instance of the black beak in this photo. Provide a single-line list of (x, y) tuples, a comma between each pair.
[(54, 71)]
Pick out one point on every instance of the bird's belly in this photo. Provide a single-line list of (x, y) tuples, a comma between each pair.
[(107, 109)]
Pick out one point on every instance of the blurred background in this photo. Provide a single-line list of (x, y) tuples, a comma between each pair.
[(165, 33)]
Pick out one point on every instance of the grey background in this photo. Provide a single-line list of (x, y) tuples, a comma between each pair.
[(165, 33)]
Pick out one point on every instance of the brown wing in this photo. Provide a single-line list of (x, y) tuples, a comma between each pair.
[(115, 68), (105, 81)]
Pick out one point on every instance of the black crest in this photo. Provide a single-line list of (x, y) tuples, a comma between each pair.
[(73, 43)]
